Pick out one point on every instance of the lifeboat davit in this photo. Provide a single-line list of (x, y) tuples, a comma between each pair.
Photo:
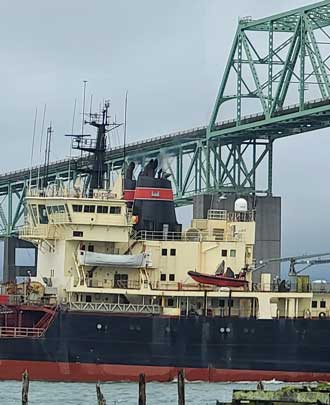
[(218, 280)]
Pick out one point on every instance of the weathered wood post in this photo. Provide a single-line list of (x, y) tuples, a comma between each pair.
[(142, 390), (181, 397), (25, 388), (100, 398)]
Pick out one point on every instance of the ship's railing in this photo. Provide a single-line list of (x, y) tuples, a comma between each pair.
[(17, 332), (33, 231), (107, 307), (65, 192), (217, 214), (177, 286), (323, 287), (224, 215), (124, 284), (275, 287), (38, 232), (197, 236)]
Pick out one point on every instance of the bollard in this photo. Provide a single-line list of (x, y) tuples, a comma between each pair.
[(181, 398), (100, 398), (25, 388), (142, 390)]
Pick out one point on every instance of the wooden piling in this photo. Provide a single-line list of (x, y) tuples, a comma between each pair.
[(181, 396), (25, 388), (100, 398), (142, 390)]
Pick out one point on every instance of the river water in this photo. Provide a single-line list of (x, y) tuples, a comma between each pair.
[(46, 393)]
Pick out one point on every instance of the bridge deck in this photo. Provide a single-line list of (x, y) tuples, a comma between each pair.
[(288, 121)]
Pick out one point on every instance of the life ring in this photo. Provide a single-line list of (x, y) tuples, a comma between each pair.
[(322, 315)]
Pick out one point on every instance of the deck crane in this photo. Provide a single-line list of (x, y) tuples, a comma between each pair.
[(308, 260)]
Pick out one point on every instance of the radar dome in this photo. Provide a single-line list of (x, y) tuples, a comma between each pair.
[(240, 205)]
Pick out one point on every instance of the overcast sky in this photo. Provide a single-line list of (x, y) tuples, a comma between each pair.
[(170, 56)]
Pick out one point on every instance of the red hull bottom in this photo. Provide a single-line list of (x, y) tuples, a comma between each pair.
[(84, 372)]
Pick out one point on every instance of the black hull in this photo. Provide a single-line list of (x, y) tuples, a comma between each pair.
[(280, 347)]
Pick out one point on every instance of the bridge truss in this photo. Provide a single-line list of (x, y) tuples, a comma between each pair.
[(275, 84)]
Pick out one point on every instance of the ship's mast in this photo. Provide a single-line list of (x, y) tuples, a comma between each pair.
[(97, 147)]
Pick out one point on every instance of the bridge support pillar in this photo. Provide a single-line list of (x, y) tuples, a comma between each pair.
[(20, 259)]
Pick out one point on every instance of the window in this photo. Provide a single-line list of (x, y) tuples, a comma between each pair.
[(102, 209), (170, 302), (77, 208), (88, 298), (115, 210), (55, 209), (314, 304), (221, 303), (322, 304), (89, 208), (163, 277), (91, 248), (78, 234), (172, 277), (43, 218), (164, 252), (230, 303), (232, 253), (224, 253), (173, 252)]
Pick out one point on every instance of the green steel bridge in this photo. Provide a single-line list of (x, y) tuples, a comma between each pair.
[(275, 84)]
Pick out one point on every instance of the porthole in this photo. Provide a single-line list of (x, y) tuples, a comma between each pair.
[(98, 326), (228, 330), (222, 330), (167, 329)]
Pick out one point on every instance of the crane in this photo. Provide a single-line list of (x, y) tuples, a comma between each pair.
[(309, 261)]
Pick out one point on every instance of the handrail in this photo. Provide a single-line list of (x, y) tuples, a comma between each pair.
[(20, 332), (107, 307)]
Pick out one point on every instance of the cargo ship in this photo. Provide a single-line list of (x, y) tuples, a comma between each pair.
[(121, 289)]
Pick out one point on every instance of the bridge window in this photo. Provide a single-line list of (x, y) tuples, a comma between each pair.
[(322, 304), (172, 277), (77, 208), (232, 253), (173, 252), (78, 234), (163, 277), (314, 304), (164, 252), (89, 208), (43, 218), (115, 210), (102, 209), (224, 253)]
